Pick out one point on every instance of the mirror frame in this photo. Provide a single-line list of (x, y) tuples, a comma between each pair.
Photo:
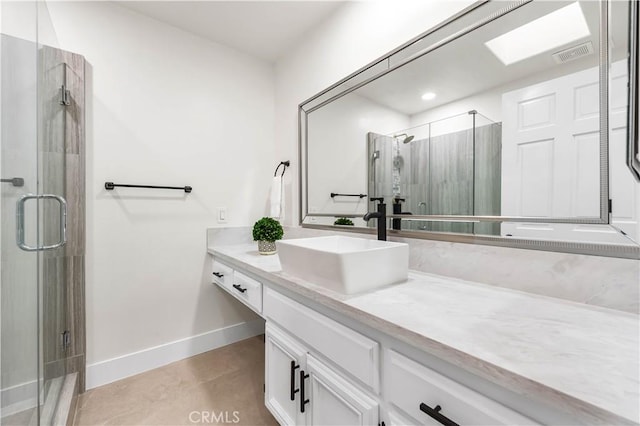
[(382, 66)]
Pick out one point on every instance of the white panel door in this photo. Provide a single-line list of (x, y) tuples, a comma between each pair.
[(551, 158), (335, 401), (284, 359)]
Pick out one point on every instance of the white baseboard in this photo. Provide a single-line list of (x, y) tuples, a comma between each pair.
[(108, 371), (19, 398)]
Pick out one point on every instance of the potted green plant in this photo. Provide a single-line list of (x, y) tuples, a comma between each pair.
[(266, 231), (343, 221)]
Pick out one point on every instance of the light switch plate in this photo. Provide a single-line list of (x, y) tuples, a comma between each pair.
[(222, 215)]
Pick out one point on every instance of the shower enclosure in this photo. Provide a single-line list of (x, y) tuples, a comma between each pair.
[(42, 355), (449, 166)]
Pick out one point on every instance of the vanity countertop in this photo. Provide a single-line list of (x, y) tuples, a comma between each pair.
[(576, 357)]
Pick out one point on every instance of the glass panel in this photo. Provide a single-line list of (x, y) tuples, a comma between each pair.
[(53, 264), (19, 345), (487, 173), (58, 160)]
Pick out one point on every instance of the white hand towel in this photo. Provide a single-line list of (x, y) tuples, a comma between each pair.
[(277, 199)]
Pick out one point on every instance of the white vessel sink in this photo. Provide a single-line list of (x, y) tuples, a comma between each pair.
[(345, 264)]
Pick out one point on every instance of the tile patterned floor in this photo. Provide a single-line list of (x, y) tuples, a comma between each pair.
[(223, 386), (19, 419)]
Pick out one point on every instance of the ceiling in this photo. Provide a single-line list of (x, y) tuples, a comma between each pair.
[(265, 29), (467, 67)]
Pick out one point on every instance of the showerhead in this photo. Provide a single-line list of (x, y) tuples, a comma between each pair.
[(406, 139)]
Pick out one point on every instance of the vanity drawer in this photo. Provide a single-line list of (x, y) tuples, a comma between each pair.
[(222, 274), (353, 352), (247, 290), (408, 384)]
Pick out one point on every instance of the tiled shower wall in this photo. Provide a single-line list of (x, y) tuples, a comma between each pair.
[(601, 281)]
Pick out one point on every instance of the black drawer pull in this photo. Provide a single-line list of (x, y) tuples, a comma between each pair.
[(218, 274), (294, 367), (239, 288), (303, 401), (434, 413)]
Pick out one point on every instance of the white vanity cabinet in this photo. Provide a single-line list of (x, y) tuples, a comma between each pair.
[(244, 288), (300, 389), (354, 353), (345, 389), (318, 372), (322, 369)]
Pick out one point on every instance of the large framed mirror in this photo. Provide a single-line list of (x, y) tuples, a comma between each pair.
[(510, 124)]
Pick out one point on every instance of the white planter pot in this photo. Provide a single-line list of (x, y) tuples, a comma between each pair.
[(267, 247)]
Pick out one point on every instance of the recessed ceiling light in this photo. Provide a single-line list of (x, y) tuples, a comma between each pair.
[(545, 33), (428, 96)]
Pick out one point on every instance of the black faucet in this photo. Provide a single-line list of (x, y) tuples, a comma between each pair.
[(397, 209), (381, 215)]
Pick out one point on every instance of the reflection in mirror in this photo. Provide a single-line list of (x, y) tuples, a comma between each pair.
[(500, 121), (447, 167)]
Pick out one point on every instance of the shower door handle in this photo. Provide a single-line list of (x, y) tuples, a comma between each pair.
[(20, 221)]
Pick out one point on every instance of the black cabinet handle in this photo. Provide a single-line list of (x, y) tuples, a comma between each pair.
[(239, 288), (303, 401), (294, 367), (218, 274), (434, 413)]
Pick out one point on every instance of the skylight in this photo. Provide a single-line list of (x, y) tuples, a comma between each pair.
[(545, 33)]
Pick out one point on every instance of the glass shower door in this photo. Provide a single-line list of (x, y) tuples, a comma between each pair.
[(35, 258), (20, 367)]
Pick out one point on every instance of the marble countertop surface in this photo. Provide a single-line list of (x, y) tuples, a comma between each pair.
[(578, 358)]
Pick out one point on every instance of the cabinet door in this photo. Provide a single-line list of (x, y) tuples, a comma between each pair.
[(333, 400), (393, 418), (283, 363)]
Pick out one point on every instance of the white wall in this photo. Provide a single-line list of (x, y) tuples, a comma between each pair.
[(166, 107), (355, 35), (338, 151), (18, 19)]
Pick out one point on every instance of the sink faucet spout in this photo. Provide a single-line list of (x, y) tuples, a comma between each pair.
[(381, 216), (371, 215)]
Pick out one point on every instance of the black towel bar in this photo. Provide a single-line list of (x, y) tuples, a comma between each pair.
[(110, 185), (333, 195)]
